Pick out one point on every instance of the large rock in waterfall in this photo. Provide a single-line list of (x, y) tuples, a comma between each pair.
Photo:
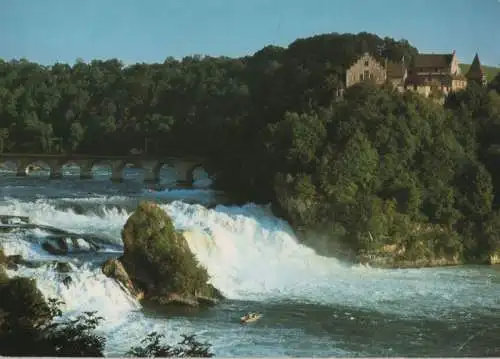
[(157, 263), (114, 268)]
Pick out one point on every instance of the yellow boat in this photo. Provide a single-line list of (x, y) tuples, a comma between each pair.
[(250, 318)]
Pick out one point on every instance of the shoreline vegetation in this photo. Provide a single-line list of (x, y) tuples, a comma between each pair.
[(387, 178)]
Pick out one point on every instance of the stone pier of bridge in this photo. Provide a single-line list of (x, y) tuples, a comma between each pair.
[(183, 168)]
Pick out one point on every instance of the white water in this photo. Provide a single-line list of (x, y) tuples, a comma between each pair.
[(250, 255)]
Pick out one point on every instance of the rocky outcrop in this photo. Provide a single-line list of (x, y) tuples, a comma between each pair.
[(494, 258), (60, 242), (157, 262), (391, 263), (14, 261), (21, 303), (62, 245), (113, 268), (398, 256)]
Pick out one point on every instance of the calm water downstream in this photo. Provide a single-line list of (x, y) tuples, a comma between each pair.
[(312, 305)]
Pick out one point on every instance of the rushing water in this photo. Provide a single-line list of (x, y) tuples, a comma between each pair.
[(312, 305)]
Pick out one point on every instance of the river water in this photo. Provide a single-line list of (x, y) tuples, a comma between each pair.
[(311, 305)]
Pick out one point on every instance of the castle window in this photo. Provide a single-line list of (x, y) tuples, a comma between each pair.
[(360, 77), (367, 74), (366, 63)]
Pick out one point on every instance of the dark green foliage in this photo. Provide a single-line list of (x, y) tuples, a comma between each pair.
[(393, 171), (75, 337), (492, 232), (377, 168), (188, 347), (28, 328), (495, 83), (23, 304)]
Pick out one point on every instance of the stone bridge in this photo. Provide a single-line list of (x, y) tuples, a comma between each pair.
[(184, 167)]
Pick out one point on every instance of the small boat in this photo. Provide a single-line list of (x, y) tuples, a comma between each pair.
[(250, 318)]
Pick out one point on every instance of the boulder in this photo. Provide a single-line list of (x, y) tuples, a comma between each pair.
[(12, 265), (158, 262), (113, 268), (14, 261), (65, 243), (494, 257), (57, 246)]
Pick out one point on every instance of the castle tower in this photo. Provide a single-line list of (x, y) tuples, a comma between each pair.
[(476, 72)]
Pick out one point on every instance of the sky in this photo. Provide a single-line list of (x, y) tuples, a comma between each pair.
[(49, 31)]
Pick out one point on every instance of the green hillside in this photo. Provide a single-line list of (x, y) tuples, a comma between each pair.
[(491, 71)]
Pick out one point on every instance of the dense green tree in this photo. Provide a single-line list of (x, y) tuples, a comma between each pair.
[(370, 169), (495, 83)]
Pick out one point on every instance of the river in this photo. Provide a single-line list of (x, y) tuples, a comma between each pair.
[(311, 305)]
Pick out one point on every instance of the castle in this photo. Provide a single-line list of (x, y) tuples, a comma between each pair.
[(427, 74)]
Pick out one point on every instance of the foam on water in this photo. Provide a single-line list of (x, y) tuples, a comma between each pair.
[(251, 254), (201, 195), (99, 199), (90, 291), (44, 212)]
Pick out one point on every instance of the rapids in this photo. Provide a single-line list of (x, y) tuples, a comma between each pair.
[(312, 305)]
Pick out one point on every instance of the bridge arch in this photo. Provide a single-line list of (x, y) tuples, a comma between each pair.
[(71, 168), (132, 169), (116, 170), (8, 165), (181, 172), (200, 175), (193, 172), (38, 168), (100, 168), (155, 173)]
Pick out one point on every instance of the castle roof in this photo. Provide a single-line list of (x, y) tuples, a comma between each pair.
[(475, 70), (395, 70), (433, 60)]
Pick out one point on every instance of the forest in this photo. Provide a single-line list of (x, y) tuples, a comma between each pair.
[(374, 173)]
